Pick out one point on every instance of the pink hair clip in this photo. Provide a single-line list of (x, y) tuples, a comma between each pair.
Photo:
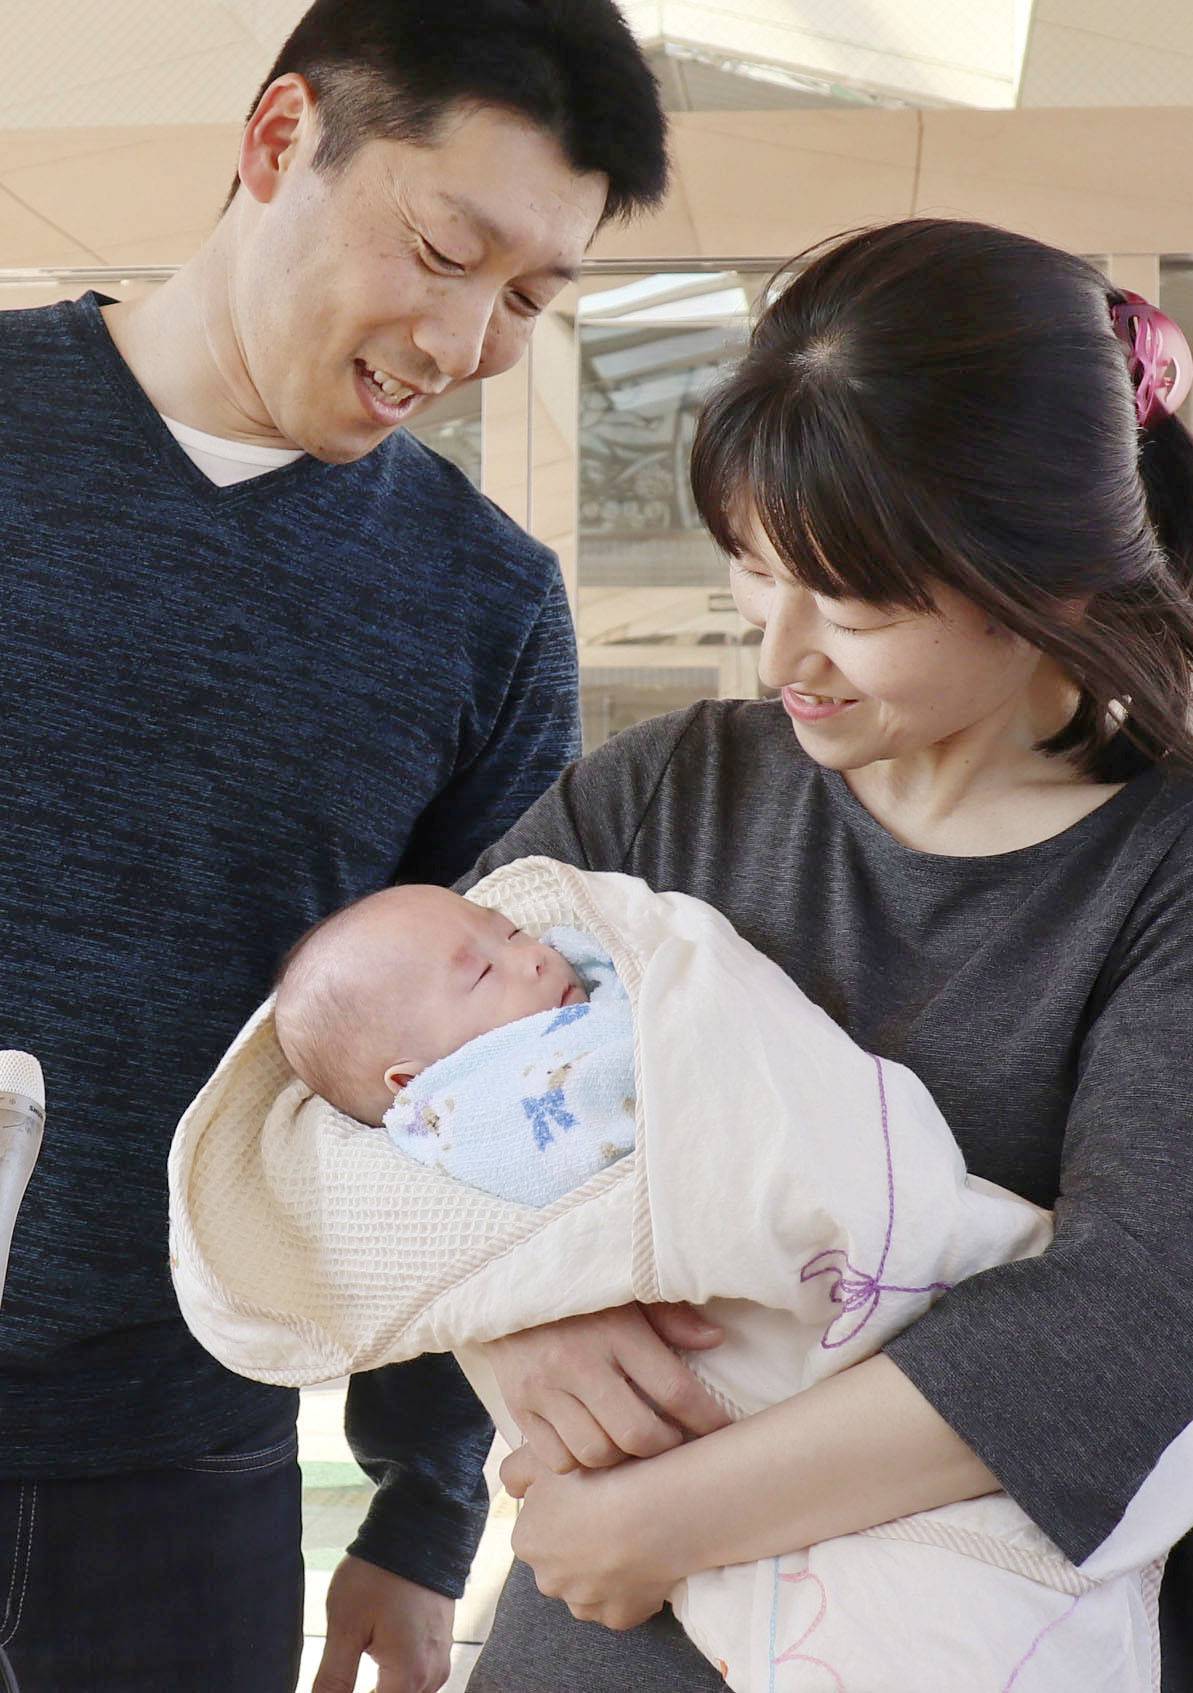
[(1160, 364)]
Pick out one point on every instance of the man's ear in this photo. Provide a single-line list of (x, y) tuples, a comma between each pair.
[(272, 134), (402, 1072)]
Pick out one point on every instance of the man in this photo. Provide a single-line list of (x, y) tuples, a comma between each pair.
[(263, 654)]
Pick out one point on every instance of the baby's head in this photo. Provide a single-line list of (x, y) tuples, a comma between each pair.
[(378, 991)]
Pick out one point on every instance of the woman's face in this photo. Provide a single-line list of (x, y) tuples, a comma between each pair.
[(862, 683)]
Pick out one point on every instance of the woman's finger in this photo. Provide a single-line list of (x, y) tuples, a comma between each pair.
[(683, 1326), (580, 1432), (667, 1383), (545, 1444), (520, 1470), (635, 1428)]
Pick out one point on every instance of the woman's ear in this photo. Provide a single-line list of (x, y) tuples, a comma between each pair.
[(399, 1074)]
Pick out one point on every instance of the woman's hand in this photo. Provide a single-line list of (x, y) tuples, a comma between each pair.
[(588, 1541), (593, 1391)]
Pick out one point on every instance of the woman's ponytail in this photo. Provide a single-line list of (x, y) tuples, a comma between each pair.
[(1166, 466)]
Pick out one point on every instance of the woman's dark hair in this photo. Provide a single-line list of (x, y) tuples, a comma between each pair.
[(944, 402), (391, 69)]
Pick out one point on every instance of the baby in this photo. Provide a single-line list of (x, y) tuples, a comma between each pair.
[(506, 1060)]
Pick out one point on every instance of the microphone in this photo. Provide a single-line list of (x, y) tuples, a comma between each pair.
[(22, 1119)]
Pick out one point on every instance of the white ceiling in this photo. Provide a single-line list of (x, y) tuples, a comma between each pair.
[(83, 63), (118, 118), (1109, 53), (87, 62)]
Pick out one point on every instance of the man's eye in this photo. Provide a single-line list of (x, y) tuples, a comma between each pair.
[(438, 259)]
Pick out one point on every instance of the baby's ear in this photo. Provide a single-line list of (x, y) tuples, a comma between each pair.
[(399, 1074)]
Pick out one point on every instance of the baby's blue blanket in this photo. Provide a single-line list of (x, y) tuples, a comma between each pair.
[(531, 1110)]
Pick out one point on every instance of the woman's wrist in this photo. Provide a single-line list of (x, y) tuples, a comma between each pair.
[(658, 1504), (858, 1449)]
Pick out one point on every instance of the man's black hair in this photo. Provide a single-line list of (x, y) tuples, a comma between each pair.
[(392, 69)]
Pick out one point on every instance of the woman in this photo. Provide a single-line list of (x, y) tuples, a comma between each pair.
[(966, 829)]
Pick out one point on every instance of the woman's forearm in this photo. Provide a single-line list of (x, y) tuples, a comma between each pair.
[(858, 1449)]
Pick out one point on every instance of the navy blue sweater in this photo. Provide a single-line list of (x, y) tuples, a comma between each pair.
[(225, 712)]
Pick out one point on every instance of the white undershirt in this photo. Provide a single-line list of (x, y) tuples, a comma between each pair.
[(225, 462)]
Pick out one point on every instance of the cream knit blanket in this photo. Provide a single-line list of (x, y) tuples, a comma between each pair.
[(809, 1193)]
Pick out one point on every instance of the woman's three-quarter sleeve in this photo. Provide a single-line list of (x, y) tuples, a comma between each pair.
[(1071, 1375)]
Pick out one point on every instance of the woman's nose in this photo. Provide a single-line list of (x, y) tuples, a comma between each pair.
[(788, 652)]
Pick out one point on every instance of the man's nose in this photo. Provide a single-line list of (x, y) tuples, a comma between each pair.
[(453, 336)]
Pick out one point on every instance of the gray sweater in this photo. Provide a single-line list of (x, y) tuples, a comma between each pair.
[(1043, 995)]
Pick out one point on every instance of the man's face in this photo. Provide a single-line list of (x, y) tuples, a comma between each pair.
[(423, 265)]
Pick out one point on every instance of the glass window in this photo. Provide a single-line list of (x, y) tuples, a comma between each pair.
[(656, 623)]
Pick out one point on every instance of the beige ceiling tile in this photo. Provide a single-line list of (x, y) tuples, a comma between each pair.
[(1164, 24), (27, 240), (669, 231), (770, 200), (1069, 176), (209, 87), (732, 193), (124, 34), (172, 248), (174, 181), (20, 148), (1080, 220), (1082, 67), (884, 137), (1075, 148), (27, 299)]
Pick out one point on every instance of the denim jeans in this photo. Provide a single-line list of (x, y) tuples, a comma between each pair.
[(187, 1578)]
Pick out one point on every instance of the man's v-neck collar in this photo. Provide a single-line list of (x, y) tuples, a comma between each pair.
[(88, 322)]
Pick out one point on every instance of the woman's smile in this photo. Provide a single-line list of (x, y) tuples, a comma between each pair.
[(812, 708)]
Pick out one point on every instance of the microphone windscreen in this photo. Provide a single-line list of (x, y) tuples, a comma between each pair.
[(21, 1073)]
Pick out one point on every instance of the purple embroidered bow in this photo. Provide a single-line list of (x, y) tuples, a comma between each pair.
[(856, 1290)]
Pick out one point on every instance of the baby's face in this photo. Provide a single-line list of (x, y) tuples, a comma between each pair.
[(464, 970)]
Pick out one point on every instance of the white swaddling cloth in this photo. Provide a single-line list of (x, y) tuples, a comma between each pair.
[(532, 1109), (808, 1193)]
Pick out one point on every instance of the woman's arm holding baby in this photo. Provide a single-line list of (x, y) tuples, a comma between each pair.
[(858, 1449)]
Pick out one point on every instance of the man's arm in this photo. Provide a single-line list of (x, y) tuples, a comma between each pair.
[(419, 1432)]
